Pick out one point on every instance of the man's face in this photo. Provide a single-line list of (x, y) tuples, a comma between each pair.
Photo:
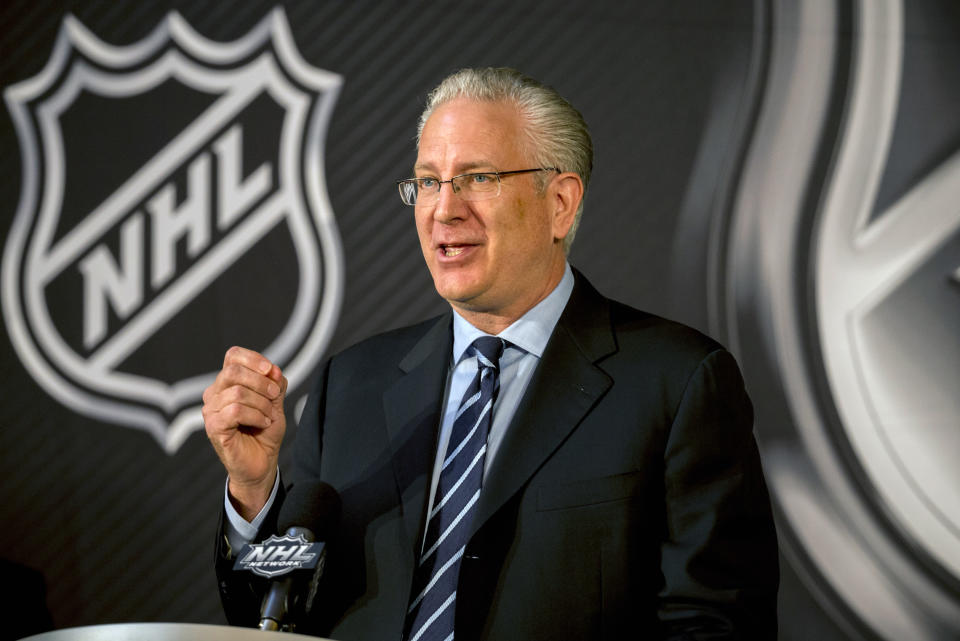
[(497, 258)]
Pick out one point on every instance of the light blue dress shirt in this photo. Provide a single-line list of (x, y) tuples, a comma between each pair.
[(526, 338)]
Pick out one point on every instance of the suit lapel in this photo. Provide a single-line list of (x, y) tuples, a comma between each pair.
[(412, 407), (565, 386)]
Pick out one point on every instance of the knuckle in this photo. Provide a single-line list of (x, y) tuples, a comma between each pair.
[(233, 394), (232, 371), (234, 412), (213, 426)]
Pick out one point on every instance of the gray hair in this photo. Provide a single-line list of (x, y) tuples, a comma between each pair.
[(556, 132)]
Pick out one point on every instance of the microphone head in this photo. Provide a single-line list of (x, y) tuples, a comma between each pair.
[(313, 505)]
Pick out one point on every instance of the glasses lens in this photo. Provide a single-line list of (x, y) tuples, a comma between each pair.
[(477, 186), (408, 192), (425, 190)]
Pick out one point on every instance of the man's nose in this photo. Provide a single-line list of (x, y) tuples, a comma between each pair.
[(449, 205)]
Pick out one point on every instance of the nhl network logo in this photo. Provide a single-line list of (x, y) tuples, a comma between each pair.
[(281, 555), (173, 203)]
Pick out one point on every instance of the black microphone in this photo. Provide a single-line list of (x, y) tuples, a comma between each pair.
[(309, 513)]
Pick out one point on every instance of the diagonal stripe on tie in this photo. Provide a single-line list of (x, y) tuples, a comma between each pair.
[(476, 459), (433, 596)]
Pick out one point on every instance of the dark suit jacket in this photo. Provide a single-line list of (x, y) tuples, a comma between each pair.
[(626, 500)]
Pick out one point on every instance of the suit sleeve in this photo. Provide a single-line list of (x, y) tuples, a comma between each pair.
[(241, 592), (719, 556)]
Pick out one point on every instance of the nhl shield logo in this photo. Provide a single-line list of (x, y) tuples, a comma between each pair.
[(838, 289), (173, 203)]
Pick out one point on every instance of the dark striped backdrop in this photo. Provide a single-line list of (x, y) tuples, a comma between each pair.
[(122, 531)]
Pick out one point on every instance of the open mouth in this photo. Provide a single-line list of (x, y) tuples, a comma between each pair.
[(451, 251)]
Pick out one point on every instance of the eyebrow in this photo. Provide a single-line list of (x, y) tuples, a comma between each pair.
[(484, 165)]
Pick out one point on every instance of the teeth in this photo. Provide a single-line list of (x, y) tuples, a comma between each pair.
[(452, 251)]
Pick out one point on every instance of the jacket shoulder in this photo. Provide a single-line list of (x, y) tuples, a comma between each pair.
[(658, 349), (596, 320), (654, 332), (394, 342)]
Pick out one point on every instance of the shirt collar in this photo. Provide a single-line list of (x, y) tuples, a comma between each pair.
[(530, 332)]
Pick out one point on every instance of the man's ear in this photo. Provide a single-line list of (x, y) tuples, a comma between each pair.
[(565, 192)]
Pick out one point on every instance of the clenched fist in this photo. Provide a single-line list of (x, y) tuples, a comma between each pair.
[(244, 419)]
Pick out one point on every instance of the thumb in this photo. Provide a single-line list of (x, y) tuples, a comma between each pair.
[(283, 390), (281, 382)]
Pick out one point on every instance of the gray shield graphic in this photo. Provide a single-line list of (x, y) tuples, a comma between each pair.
[(206, 168), (845, 314)]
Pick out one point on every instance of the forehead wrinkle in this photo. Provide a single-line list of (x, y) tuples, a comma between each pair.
[(464, 136)]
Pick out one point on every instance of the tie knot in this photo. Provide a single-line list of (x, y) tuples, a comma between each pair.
[(489, 350)]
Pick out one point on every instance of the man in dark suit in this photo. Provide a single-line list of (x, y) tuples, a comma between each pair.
[(609, 485)]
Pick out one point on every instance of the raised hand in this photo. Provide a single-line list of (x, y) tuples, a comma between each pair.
[(244, 419)]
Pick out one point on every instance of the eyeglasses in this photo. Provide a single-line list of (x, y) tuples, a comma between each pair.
[(470, 187)]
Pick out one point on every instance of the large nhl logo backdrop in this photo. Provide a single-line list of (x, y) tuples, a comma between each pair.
[(204, 193)]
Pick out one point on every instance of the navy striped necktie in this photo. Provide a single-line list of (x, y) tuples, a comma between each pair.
[(433, 596)]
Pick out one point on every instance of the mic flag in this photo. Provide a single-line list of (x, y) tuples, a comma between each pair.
[(308, 515), (279, 555)]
